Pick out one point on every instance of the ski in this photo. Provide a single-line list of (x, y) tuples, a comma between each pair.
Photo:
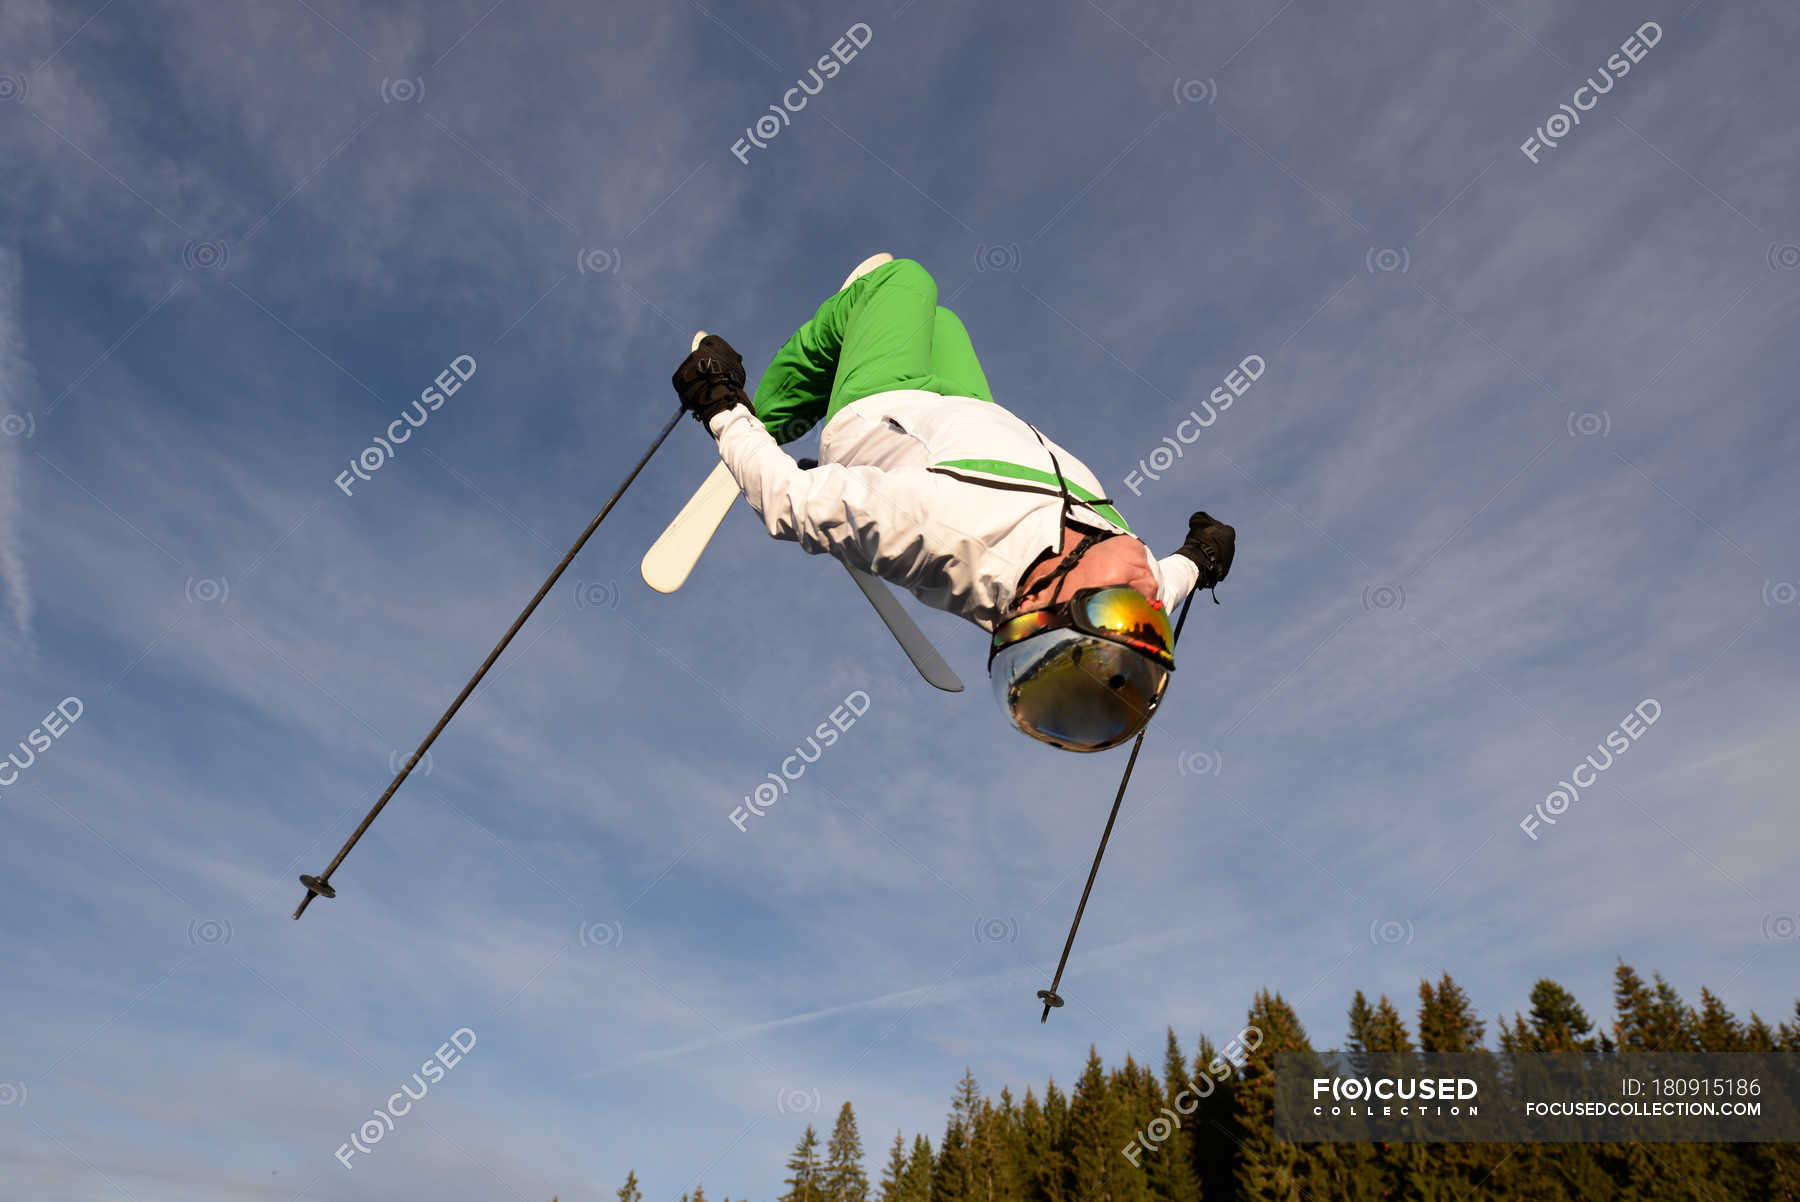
[(673, 555), (671, 558), (919, 649)]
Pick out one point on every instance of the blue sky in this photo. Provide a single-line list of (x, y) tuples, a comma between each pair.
[(1522, 457)]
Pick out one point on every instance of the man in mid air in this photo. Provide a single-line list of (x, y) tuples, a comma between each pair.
[(925, 481)]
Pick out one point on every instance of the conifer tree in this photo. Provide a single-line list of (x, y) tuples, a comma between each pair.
[(1268, 1170), (1389, 1030), (1716, 1027), (967, 1103), (951, 1174), (1045, 1168), (1377, 1035), (1447, 1024), (1447, 1021), (1516, 1038), (1673, 1024), (1772, 1166), (1558, 1023), (893, 1177), (1002, 1143), (843, 1179), (1631, 1010), (1056, 1114), (1635, 1029), (1088, 1153), (805, 1184), (1100, 1125), (919, 1172), (1758, 1037), (1172, 1177), (1214, 1138), (1362, 1024)]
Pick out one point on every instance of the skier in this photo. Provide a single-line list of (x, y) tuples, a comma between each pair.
[(924, 480)]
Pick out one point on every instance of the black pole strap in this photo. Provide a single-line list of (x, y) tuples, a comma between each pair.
[(1050, 997), (320, 886)]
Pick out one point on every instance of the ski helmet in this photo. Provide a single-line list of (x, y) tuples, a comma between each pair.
[(1086, 674)]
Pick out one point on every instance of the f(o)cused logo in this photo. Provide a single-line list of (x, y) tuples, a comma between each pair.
[(1784, 258), (998, 257), (205, 255), (403, 91), (18, 425), (997, 930), (798, 1101), (602, 934), (1388, 259), (1390, 931), (1195, 91), (1384, 596), (208, 590), (397, 760), (593, 594), (597, 261), (1201, 763), (209, 932), (1781, 926), (1780, 592), (1590, 425), (12, 87), (12, 1093)]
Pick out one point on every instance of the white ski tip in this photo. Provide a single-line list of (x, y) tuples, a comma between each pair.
[(673, 555), (865, 267)]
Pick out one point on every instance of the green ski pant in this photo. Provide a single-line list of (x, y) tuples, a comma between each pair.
[(886, 331)]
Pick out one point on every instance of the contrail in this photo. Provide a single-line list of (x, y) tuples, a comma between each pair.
[(884, 1001), (1135, 944)]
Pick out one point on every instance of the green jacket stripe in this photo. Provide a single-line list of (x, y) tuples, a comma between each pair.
[(1018, 471)]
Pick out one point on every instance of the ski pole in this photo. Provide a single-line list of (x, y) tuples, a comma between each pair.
[(1050, 996), (320, 886)]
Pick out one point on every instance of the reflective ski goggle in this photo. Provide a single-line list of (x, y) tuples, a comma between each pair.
[(1118, 614), (1083, 676)]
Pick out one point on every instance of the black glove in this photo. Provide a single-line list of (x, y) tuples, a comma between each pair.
[(1210, 544), (710, 380)]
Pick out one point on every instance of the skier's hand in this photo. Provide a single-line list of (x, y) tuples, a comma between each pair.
[(1211, 545), (710, 380)]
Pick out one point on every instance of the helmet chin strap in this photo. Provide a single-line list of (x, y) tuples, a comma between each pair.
[(1058, 576)]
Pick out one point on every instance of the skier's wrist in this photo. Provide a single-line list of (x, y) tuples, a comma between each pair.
[(715, 424)]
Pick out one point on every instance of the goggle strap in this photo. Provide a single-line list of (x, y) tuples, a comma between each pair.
[(1066, 619)]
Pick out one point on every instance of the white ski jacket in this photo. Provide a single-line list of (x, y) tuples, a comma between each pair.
[(951, 498)]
